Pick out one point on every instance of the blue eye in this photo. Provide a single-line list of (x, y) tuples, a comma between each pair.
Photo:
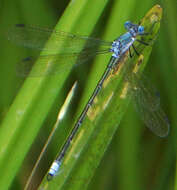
[(127, 25), (140, 29)]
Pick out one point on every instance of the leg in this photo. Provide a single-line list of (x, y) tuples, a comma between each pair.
[(135, 50), (141, 42), (130, 53)]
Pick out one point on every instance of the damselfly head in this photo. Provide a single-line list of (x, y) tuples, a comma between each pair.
[(134, 29)]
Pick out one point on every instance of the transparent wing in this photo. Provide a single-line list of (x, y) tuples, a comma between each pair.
[(36, 37), (145, 93), (53, 64), (147, 104)]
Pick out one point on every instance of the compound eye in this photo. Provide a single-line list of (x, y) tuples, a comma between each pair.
[(127, 25), (140, 29)]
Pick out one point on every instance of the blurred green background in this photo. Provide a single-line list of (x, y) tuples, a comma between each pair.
[(136, 158)]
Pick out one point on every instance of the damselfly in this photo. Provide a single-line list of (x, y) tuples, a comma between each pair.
[(85, 48)]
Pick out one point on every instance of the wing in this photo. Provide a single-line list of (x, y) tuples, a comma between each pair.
[(36, 37), (147, 104), (145, 93), (53, 64)]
